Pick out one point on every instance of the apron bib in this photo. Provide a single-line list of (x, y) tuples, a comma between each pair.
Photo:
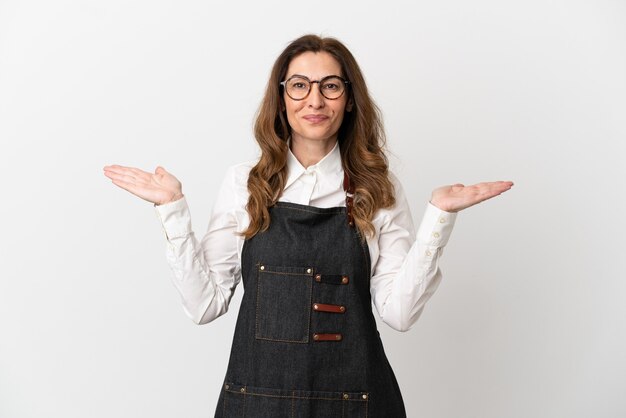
[(306, 343)]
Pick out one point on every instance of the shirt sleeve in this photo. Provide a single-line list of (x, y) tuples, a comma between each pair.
[(407, 271), (205, 272)]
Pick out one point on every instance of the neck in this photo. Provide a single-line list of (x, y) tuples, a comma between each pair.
[(311, 152)]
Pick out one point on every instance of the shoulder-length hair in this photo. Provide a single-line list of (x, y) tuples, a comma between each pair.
[(361, 140)]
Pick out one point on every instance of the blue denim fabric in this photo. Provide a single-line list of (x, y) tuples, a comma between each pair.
[(277, 368)]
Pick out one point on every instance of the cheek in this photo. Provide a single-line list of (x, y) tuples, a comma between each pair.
[(340, 111), (292, 110)]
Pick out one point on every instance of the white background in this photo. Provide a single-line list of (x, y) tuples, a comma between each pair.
[(529, 320)]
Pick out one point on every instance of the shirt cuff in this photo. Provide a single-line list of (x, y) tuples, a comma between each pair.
[(436, 226), (175, 218)]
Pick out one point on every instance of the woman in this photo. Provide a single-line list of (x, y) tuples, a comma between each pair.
[(317, 229)]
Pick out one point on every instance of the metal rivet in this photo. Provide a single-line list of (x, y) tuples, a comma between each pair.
[(262, 268), (338, 337), (318, 277), (315, 306), (344, 279), (243, 389), (345, 396), (364, 396), (316, 337), (309, 271), (342, 308), (227, 387)]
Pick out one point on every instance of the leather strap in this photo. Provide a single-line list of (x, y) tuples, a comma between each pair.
[(349, 188), (332, 278), (323, 307), (327, 337)]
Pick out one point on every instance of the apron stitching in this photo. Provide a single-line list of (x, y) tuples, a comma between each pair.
[(224, 405), (330, 212), (315, 398), (244, 404)]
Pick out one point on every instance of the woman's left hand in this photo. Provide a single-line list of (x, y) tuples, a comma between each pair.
[(457, 197)]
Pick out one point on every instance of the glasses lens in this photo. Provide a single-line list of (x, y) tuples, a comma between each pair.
[(332, 87), (298, 87)]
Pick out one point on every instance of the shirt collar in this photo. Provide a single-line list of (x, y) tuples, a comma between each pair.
[(331, 163)]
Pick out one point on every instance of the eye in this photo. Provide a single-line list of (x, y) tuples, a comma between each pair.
[(331, 86), (298, 85)]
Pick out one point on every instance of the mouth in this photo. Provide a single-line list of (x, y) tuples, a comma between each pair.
[(315, 118)]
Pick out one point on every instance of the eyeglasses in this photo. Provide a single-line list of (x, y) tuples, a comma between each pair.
[(298, 87)]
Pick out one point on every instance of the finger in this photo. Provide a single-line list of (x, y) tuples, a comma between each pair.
[(130, 187), (118, 169), (501, 186), (122, 177), (493, 185), (140, 174), (489, 190)]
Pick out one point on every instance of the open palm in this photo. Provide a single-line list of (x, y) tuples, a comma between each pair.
[(159, 188), (458, 197)]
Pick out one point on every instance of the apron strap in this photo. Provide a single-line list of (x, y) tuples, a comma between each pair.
[(349, 188)]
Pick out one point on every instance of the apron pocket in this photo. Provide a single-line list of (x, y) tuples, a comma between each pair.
[(283, 303), (255, 402)]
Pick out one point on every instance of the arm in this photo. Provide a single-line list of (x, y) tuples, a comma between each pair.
[(407, 270), (205, 272)]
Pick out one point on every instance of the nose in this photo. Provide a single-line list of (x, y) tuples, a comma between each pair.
[(315, 99)]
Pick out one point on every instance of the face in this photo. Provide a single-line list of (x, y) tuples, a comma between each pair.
[(315, 118)]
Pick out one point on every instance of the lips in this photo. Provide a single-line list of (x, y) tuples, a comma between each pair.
[(315, 118)]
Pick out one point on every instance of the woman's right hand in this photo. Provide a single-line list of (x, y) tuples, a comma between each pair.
[(158, 188)]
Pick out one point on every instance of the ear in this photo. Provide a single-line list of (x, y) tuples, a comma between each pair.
[(349, 106)]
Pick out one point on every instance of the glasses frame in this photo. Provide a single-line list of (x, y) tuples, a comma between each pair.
[(319, 83)]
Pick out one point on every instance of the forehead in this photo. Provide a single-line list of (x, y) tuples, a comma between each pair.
[(314, 65)]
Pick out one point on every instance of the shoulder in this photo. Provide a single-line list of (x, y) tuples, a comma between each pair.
[(397, 187), (233, 192), (237, 175), (399, 213)]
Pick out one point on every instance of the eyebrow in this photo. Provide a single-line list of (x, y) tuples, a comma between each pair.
[(309, 78)]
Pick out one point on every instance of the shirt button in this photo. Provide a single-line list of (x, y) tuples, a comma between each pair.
[(428, 253), (442, 220), (436, 234)]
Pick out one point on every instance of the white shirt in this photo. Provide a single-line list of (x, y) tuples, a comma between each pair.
[(405, 270)]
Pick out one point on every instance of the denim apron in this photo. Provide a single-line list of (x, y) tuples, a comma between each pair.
[(306, 343)]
